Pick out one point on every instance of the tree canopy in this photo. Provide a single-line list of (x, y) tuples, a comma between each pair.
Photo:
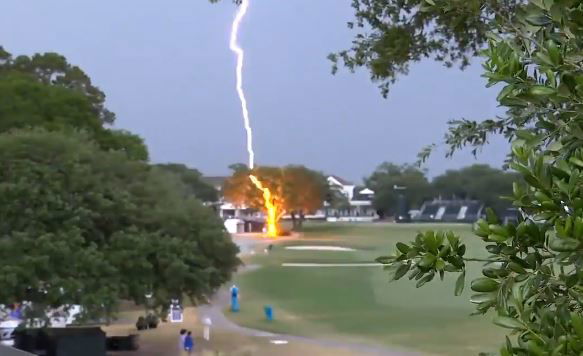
[(480, 182), (392, 34), (296, 189), (388, 175), (84, 219), (490, 185), (26, 101), (53, 69), (80, 225), (192, 180)]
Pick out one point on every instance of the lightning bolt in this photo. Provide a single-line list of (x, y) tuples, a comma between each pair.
[(234, 46), (271, 207)]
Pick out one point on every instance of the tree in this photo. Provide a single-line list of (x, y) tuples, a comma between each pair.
[(27, 102), (192, 180), (296, 189), (480, 182), (532, 277), (305, 191), (79, 225), (132, 145), (54, 69), (388, 175), (394, 33)]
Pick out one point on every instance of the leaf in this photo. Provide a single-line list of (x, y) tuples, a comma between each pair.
[(494, 249), (497, 238), (403, 248), (491, 217), (452, 239), (576, 161), (484, 285), (427, 261), (430, 2), (577, 322), (504, 92), (425, 279), (444, 251), (459, 284), (401, 271), (385, 259), (482, 298), (538, 20), (509, 323), (564, 245), (515, 267), (540, 90)]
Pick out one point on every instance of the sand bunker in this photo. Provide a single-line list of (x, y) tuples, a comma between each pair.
[(319, 248), (331, 264)]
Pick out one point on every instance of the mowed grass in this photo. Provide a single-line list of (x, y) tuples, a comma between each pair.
[(358, 304)]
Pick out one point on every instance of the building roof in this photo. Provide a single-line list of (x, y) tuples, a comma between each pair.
[(341, 180), (362, 194)]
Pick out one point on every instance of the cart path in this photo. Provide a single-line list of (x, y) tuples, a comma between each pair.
[(221, 302)]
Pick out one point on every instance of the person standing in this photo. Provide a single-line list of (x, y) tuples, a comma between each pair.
[(234, 298), (181, 339), (207, 322), (189, 343)]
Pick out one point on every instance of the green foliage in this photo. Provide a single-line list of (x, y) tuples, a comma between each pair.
[(480, 182), (54, 70), (26, 102), (192, 180), (391, 34), (79, 225), (532, 278), (388, 175), (130, 144)]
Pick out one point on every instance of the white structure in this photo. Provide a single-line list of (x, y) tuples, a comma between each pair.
[(235, 226), (359, 199), (175, 312), (237, 219)]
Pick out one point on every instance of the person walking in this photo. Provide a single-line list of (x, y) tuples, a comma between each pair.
[(189, 343)]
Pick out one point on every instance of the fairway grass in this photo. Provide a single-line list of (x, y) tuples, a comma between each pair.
[(359, 304)]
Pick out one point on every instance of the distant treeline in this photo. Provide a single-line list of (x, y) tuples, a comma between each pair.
[(479, 181)]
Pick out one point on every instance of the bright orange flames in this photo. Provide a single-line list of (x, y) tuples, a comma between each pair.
[(271, 207)]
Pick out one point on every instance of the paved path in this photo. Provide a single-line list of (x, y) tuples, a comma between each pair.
[(221, 301)]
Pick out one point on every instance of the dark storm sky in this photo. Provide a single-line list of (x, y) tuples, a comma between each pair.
[(169, 75)]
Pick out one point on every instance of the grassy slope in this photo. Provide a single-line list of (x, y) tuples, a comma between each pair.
[(359, 304)]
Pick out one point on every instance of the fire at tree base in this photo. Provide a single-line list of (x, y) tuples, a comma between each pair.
[(271, 208)]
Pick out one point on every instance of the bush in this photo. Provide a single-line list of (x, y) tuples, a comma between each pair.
[(152, 321), (141, 324)]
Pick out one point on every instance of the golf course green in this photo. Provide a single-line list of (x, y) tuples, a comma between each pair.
[(358, 303)]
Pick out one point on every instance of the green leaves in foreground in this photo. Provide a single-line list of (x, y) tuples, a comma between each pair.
[(432, 253), (533, 273)]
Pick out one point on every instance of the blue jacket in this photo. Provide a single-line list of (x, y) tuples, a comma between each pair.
[(188, 342)]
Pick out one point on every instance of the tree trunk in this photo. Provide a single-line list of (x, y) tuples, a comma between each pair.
[(293, 216), (302, 218)]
